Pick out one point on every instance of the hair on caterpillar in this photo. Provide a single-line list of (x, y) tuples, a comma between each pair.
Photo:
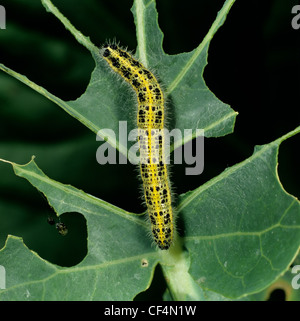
[(150, 117), (123, 95)]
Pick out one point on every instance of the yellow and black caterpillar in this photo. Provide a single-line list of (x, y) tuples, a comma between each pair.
[(150, 123)]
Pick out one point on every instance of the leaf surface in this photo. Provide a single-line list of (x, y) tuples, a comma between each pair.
[(108, 100), (113, 253), (241, 229)]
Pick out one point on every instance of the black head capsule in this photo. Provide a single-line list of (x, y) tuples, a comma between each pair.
[(150, 117)]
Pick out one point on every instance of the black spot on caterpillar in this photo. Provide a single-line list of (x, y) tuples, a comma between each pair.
[(150, 123)]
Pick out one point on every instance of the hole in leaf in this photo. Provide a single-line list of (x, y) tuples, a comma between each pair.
[(64, 249), (156, 289), (144, 263), (277, 295)]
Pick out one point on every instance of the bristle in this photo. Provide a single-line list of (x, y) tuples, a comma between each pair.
[(151, 138)]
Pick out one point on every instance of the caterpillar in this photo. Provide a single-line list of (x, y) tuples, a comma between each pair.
[(150, 125)]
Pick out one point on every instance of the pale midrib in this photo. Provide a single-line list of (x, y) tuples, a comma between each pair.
[(236, 167), (60, 271), (85, 41), (85, 197), (206, 129), (201, 47), (51, 97), (223, 175), (141, 36), (240, 233), (65, 106)]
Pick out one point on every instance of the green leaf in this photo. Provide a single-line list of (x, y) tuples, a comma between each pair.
[(241, 228), (106, 102), (112, 248), (37, 279), (285, 287), (192, 104)]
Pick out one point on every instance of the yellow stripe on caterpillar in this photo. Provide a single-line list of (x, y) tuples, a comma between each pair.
[(150, 123)]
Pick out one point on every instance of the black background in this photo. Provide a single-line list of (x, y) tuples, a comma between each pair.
[(253, 65)]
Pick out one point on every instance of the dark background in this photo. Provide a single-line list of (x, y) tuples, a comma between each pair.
[(253, 65)]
